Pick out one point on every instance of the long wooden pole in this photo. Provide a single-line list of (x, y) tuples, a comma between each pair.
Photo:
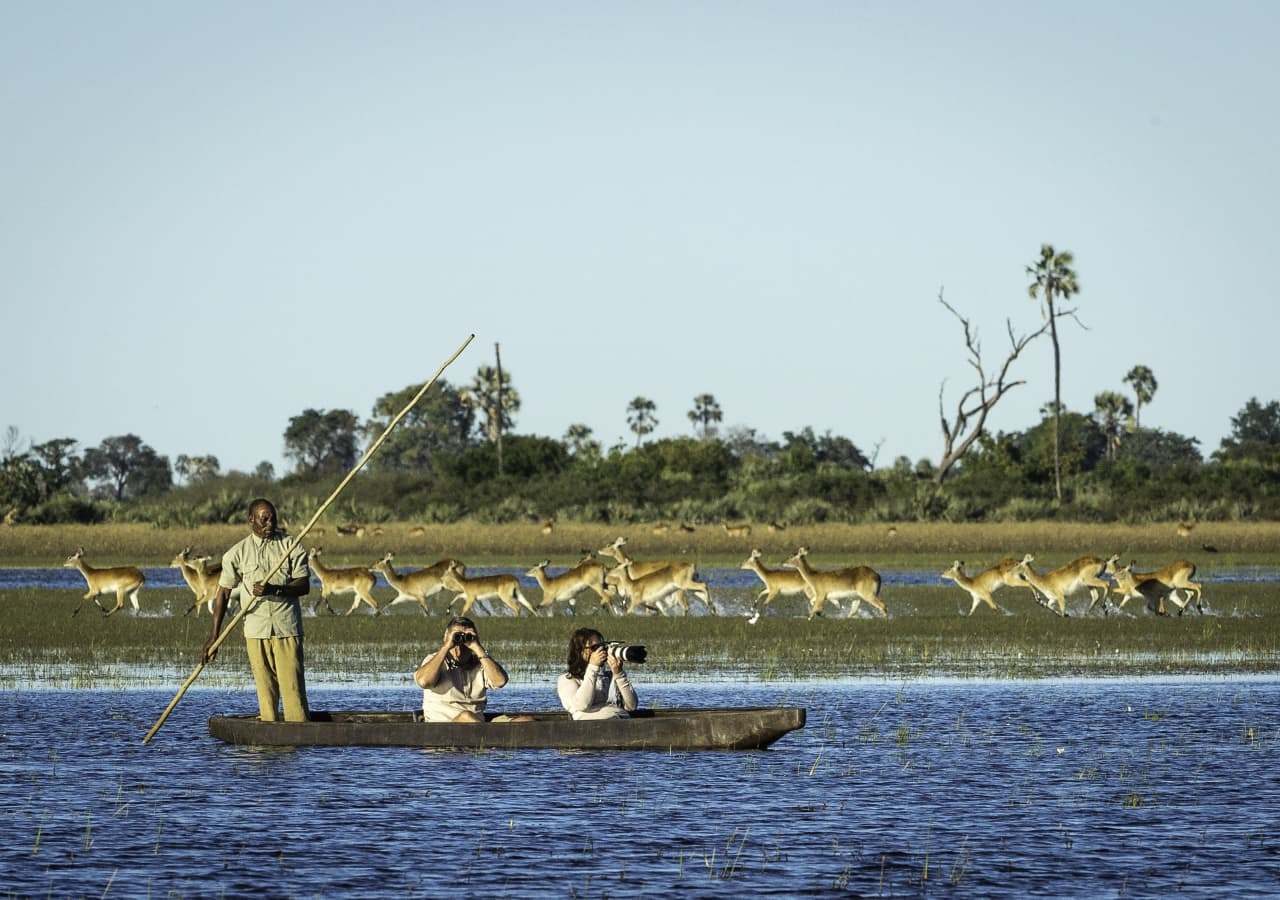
[(245, 607)]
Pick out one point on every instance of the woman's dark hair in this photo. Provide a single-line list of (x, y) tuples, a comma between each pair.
[(577, 643)]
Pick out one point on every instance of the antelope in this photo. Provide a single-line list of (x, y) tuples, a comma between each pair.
[(1184, 529), (355, 531), (982, 585), (743, 530), (1176, 577), (377, 531), (586, 575), (121, 579), (660, 529), (504, 587), (687, 528), (200, 577), (548, 526), (685, 573), (11, 518), (650, 590), (775, 527), (417, 531), (354, 580), (1058, 584), (777, 583), (891, 531), (414, 587), (857, 583)]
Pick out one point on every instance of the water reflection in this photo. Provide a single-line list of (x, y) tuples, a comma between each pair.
[(1088, 788)]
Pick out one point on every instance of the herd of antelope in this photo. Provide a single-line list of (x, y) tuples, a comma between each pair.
[(659, 586)]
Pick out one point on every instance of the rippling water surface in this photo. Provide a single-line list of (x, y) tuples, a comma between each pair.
[(1082, 788)]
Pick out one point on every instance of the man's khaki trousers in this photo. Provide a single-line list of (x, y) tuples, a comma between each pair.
[(277, 673)]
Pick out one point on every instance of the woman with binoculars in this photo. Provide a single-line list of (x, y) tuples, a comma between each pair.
[(588, 690), (456, 679)]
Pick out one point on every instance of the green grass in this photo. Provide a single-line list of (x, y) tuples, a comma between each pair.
[(912, 545), (40, 641)]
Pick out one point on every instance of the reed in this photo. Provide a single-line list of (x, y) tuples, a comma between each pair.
[(38, 639), (932, 543)]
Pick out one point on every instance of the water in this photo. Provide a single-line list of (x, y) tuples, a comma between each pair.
[(1080, 788), (167, 577)]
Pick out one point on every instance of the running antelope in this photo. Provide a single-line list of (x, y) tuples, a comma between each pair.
[(684, 573), (650, 590), (743, 530), (123, 580), (777, 583), (1175, 577), (586, 575), (857, 583), (353, 580), (982, 585), (200, 577), (414, 587), (482, 587), (1059, 584)]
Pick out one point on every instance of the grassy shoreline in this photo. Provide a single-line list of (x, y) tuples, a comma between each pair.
[(41, 643), (908, 545)]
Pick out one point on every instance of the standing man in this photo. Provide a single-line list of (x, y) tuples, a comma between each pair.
[(273, 625)]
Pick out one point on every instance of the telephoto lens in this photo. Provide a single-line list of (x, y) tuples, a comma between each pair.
[(632, 653)]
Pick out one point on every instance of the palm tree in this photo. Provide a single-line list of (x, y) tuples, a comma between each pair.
[(641, 418), (1111, 411), (1054, 279), (483, 395), (705, 411), (1143, 382)]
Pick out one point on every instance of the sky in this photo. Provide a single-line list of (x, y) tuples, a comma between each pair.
[(218, 215)]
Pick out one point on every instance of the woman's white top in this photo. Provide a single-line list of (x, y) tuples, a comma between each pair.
[(597, 695), (458, 690)]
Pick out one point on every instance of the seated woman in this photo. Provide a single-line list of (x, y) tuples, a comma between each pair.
[(589, 690), (456, 679)]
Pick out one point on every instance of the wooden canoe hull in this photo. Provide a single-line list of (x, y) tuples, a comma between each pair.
[(664, 729)]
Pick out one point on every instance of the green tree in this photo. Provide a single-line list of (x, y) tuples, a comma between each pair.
[(483, 396), (1143, 382), (705, 413), (195, 469), (320, 442), (641, 417), (1054, 279), (577, 437), (128, 468), (265, 471), (59, 464), (1255, 434), (1111, 410), (441, 422)]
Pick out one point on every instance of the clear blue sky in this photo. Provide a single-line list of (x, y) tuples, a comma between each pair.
[(216, 215)]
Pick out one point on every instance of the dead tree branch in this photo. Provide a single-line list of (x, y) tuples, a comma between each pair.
[(970, 419)]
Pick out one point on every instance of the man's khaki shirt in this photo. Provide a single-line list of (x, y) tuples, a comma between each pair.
[(247, 563)]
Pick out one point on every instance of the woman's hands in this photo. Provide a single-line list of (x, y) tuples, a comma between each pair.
[(598, 657)]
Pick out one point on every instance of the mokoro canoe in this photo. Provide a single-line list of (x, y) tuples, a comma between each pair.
[(646, 729)]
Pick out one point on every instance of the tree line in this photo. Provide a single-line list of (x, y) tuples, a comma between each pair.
[(455, 456)]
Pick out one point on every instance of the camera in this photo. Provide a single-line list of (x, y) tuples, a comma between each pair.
[(632, 653), (463, 637)]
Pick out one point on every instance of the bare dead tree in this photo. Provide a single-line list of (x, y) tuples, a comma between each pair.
[(969, 422)]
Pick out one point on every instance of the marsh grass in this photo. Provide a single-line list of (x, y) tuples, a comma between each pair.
[(913, 544), (40, 640)]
